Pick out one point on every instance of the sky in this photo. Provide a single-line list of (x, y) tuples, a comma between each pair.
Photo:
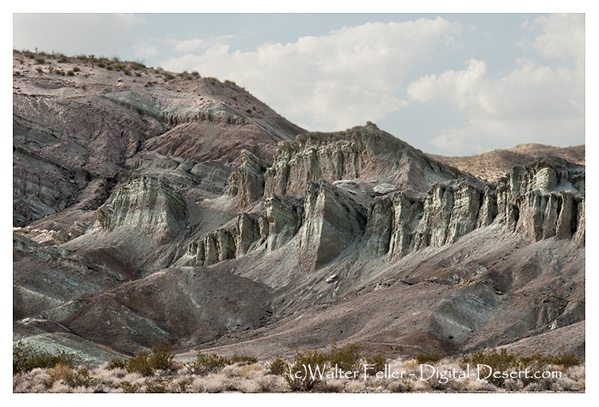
[(452, 84)]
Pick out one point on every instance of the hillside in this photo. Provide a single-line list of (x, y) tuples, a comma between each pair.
[(495, 164), (153, 207)]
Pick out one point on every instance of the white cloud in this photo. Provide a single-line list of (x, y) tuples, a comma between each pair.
[(329, 82), (190, 45), (142, 51), (102, 34), (533, 103), (562, 36), (198, 44)]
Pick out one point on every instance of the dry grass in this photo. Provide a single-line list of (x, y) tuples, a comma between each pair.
[(256, 378), (57, 374)]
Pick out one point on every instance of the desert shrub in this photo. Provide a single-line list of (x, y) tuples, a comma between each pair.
[(331, 386), (278, 367), (157, 385), (39, 70), (58, 373), (76, 69), (432, 357), (27, 357), (84, 86), (499, 361), (129, 387), (162, 357), (168, 76), (109, 67), (62, 58), (564, 359), (195, 73), (127, 72), (80, 378), (346, 358), (300, 377), (101, 65), (140, 363), (204, 364), (40, 60), (138, 74), (183, 384), (137, 66), (70, 73), (116, 364), (378, 362), (145, 362), (243, 360), (17, 73)]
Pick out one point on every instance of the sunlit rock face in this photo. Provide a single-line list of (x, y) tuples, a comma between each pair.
[(147, 204)]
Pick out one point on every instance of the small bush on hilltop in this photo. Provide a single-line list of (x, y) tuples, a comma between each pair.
[(137, 65)]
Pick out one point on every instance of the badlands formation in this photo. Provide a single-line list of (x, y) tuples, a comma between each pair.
[(159, 208)]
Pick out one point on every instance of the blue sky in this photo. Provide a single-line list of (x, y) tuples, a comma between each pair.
[(453, 84)]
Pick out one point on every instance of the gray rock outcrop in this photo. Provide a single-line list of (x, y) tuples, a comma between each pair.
[(332, 223), (147, 204), (247, 183), (540, 201), (362, 152)]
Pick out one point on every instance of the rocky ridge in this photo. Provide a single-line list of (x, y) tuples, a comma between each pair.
[(542, 200), (204, 225), (73, 131)]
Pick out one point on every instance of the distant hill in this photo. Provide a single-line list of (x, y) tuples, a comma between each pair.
[(495, 164)]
